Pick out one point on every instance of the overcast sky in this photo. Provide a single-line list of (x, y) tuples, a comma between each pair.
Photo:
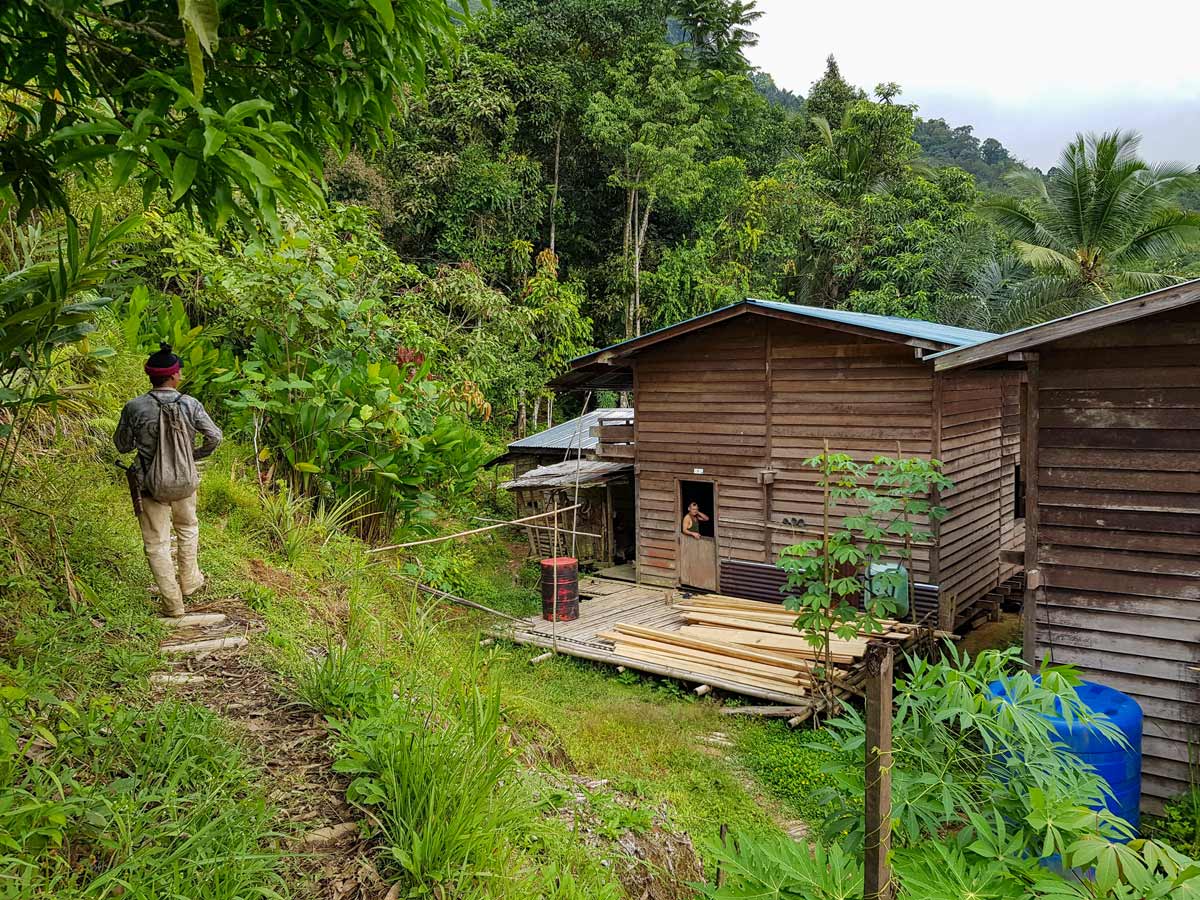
[(1030, 74)]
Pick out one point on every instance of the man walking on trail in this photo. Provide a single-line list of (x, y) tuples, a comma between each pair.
[(162, 425)]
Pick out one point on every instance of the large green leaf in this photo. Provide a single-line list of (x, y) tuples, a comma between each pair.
[(202, 18)]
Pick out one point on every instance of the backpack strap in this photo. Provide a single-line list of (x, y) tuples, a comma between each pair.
[(162, 403)]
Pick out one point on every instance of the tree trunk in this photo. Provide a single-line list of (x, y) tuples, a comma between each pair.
[(537, 410), (554, 187), (639, 245), (550, 411), (521, 414), (630, 211)]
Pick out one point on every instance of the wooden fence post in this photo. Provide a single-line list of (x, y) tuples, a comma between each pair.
[(877, 879)]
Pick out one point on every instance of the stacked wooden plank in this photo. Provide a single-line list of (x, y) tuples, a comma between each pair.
[(746, 641), (770, 626), (781, 673)]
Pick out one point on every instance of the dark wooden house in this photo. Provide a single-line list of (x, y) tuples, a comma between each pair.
[(598, 528), (1112, 540), (729, 405)]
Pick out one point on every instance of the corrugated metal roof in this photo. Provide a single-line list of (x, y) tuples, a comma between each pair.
[(948, 336), (565, 474), (917, 328), (573, 435)]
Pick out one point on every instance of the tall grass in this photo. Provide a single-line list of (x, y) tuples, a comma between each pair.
[(441, 784), (105, 801), (345, 683)]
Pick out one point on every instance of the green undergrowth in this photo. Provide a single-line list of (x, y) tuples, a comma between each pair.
[(1179, 825), (107, 792), (791, 766)]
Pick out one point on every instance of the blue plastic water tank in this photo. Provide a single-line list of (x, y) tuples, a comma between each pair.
[(1120, 766)]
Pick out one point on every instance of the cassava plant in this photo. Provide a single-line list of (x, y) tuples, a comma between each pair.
[(830, 582)]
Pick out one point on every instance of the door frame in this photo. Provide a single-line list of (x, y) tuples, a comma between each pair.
[(716, 487)]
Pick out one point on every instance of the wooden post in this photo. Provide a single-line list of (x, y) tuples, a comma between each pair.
[(1029, 468), (877, 879)]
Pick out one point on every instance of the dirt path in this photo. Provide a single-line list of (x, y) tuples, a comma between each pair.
[(329, 859)]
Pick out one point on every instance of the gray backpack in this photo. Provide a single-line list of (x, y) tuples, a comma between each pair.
[(172, 474)]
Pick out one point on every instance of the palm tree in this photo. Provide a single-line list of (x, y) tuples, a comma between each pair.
[(1096, 229)]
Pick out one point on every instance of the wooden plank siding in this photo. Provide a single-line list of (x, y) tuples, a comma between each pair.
[(865, 397), (701, 402), (754, 395), (980, 448), (1118, 539)]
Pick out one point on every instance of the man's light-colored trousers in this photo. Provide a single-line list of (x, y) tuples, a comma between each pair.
[(182, 576)]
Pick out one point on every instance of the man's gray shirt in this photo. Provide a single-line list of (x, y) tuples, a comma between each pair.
[(138, 428)]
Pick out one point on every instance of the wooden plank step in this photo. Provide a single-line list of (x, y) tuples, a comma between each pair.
[(192, 620), (206, 646), (176, 678), (768, 712)]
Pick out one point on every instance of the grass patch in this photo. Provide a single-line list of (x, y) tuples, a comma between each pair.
[(104, 800), (788, 763)]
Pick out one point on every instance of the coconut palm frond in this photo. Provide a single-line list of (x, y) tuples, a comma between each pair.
[(1045, 258), (824, 130), (1168, 231), (1101, 224), (1041, 298), (1130, 283), (1027, 183), (1012, 216)]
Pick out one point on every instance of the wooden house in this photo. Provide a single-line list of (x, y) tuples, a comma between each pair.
[(729, 405), (1112, 539)]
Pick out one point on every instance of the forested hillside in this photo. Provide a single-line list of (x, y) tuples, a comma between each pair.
[(374, 232)]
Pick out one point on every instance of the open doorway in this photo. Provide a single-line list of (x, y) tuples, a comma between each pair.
[(700, 493), (697, 534), (624, 522)]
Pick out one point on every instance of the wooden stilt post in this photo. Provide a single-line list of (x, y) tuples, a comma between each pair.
[(877, 880)]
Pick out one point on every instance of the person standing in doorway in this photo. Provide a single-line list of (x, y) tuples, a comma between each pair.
[(161, 425), (692, 520)]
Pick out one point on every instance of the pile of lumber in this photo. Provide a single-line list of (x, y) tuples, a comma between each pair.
[(783, 674), (768, 626), (748, 642)]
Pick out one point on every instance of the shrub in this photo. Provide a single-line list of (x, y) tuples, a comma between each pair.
[(1179, 825), (959, 748), (981, 793)]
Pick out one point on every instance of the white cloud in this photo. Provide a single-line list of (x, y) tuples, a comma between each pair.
[(1028, 73)]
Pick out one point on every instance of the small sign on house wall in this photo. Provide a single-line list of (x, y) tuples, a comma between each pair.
[(697, 471)]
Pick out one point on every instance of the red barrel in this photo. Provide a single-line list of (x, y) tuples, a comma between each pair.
[(560, 589)]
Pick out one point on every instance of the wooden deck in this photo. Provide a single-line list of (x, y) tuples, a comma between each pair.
[(603, 604)]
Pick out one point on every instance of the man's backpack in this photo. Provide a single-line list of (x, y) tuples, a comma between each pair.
[(172, 473)]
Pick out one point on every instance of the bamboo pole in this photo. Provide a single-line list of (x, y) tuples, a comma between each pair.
[(536, 527), (447, 537)]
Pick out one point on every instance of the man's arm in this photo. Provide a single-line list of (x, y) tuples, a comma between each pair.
[(123, 437), (208, 429)]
